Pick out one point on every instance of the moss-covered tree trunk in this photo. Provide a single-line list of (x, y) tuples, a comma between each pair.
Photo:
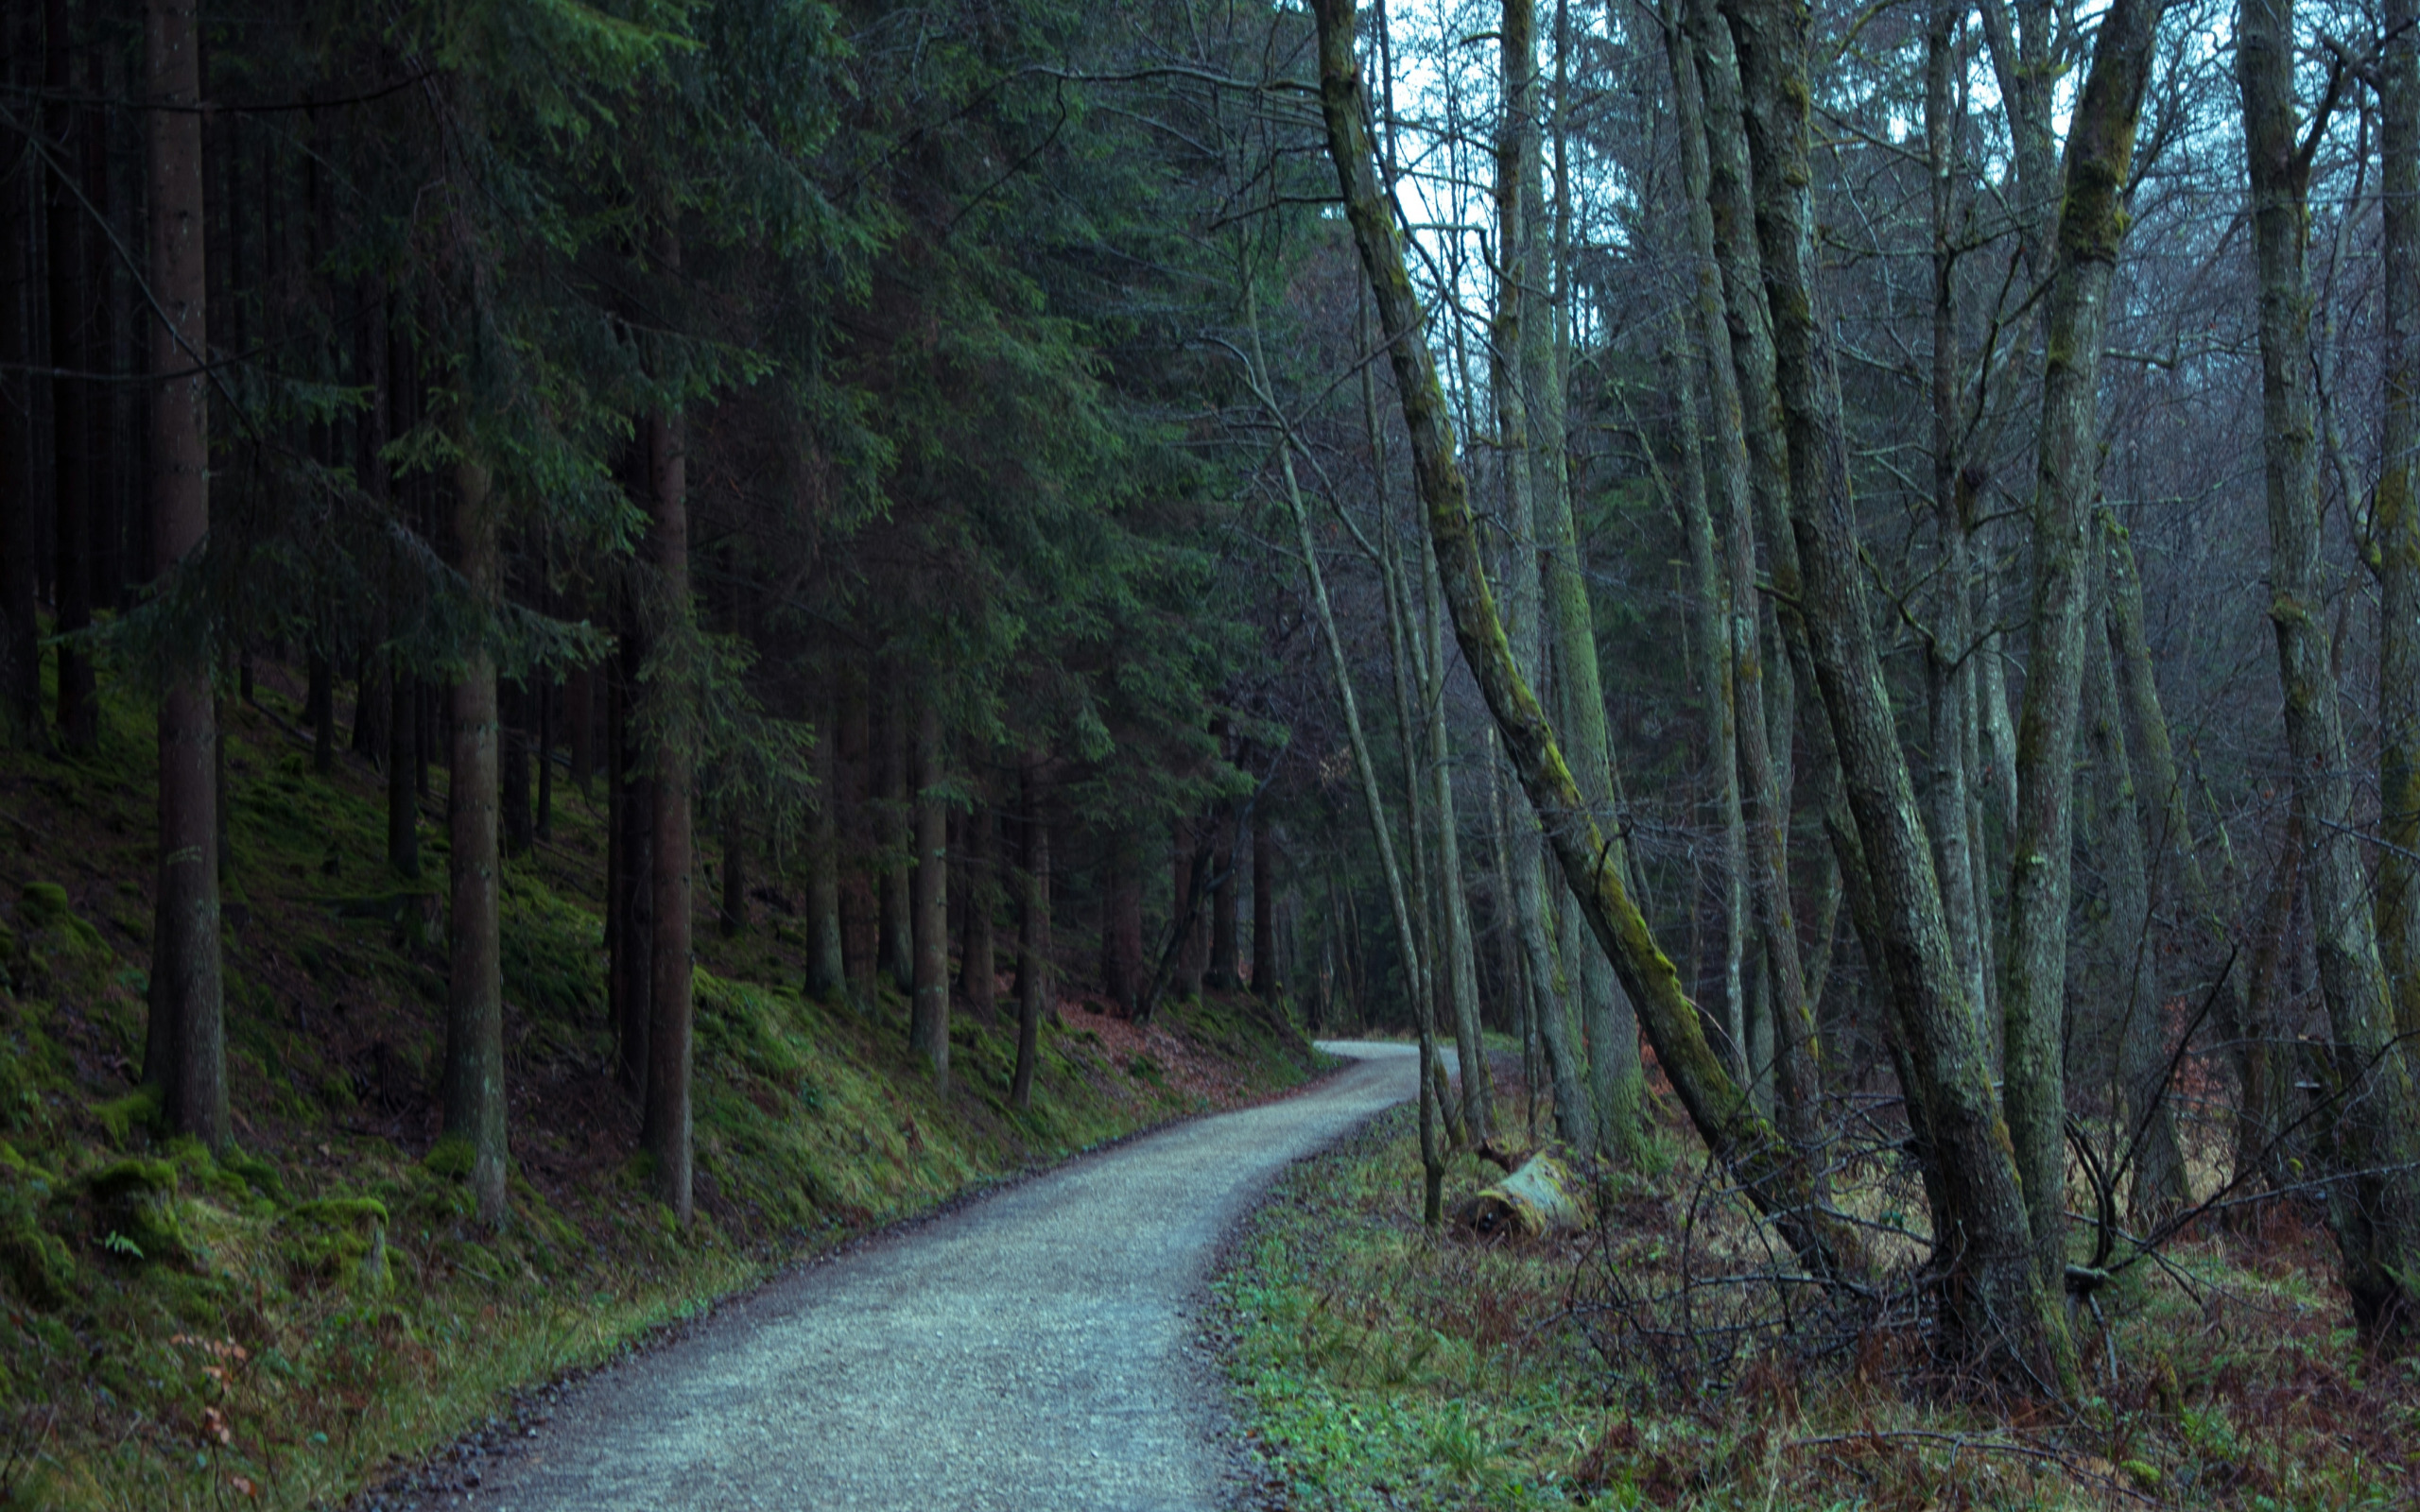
[(473, 1094), (1727, 359), (2375, 1212), (2395, 518), (2091, 226), (2131, 1002), (1778, 1179), (185, 1051), (1994, 1307)]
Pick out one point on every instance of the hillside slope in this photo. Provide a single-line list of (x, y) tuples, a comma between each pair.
[(286, 1322)]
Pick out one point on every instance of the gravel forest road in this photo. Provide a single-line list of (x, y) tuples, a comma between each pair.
[(1034, 1349)]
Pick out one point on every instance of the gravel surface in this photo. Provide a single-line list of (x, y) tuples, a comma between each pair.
[(1034, 1349)]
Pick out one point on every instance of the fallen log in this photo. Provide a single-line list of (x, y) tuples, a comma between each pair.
[(1542, 1197)]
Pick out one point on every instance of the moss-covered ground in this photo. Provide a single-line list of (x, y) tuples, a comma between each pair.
[(1644, 1364), (281, 1325)]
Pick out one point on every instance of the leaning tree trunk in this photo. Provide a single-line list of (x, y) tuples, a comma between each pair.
[(1777, 1178), (2375, 1210), (186, 1049), (1432, 1159), (928, 1014), (1994, 1307), (2396, 519), (475, 985), (665, 1131), (2091, 226)]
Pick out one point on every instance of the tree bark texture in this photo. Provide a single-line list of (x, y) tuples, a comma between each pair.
[(2091, 226), (474, 1094), (403, 804), (1993, 1306), (827, 971), (72, 497), (1777, 1178), (2395, 516), (21, 717), (186, 1050), (1035, 998), (666, 1132), (896, 940), (928, 1016), (2375, 1211), (1268, 983), (977, 954)]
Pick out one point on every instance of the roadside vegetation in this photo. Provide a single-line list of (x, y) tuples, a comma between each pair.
[(281, 1322), (1641, 1362)]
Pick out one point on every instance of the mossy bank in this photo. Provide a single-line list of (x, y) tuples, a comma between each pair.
[(284, 1322)]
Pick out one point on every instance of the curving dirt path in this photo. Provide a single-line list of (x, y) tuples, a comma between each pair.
[(1033, 1349)]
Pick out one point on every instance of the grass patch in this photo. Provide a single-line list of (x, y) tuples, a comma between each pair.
[(1380, 1366)]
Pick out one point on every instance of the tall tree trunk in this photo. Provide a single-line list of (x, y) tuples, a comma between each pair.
[(1458, 966), (1774, 1175), (2264, 1061), (826, 968), (1432, 1160), (1995, 1306), (1225, 971), (1121, 928), (320, 705), (2147, 1130), (1184, 909), (1034, 995), (475, 985), (929, 1016), (1949, 673), (2100, 143), (895, 944), (2375, 1210), (633, 888), (1267, 984), (185, 1047), (21, 717), (978, 951), (544, 691), (1751, 463), (1711, 650), (513, 750), (2395, 517), (666, 1133), (1534, 894), (732, 918), (71, 493), (579, 712), (403, 805)]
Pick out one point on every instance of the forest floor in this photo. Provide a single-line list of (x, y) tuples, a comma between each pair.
[(316, 1312), (1037, 1347), (1650, 1361)]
